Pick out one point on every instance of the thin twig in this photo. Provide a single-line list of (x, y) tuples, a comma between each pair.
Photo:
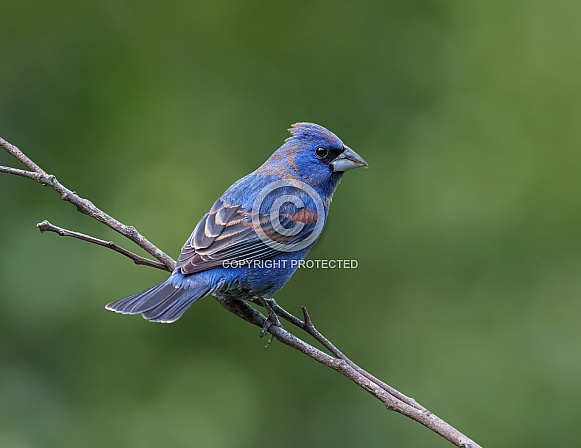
[(351, 371), (87, 207), (307, 325), (46, 226), (22, 173), (391, 398), (18, 154)]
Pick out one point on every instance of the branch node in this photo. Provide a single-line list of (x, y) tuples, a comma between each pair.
[(340, 365), (307, 318), (48, 180), (43, 226), (131, 231)]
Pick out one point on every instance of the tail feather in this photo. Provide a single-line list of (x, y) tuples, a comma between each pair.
[(163, 302), (142, 301), (172, 310)]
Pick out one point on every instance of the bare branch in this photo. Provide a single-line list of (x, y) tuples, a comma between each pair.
[(390, 397), (18, 154), (22, 173), (46, 226), (83, 205), (307, 326)]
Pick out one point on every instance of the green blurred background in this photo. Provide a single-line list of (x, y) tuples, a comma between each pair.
[(466, 226)]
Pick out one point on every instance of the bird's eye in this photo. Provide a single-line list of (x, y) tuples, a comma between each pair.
[(321, 152)]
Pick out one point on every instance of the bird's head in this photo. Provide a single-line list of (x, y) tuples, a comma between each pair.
[(314, 155)]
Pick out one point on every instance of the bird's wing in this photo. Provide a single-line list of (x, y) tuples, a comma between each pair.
[(227, 232)]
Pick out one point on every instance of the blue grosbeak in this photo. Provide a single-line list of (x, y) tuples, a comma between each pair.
[(251, 241)]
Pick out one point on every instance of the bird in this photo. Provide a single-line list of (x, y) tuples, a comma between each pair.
[(252, 240)]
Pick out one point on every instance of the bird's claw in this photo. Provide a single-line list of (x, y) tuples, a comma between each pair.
[(269, 322), (272, 318)]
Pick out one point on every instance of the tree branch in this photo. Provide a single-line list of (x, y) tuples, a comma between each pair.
[(390, 397), (83, 205), (307, 326), (46, 226), (22, 173)]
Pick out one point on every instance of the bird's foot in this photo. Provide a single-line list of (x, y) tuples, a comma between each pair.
[(272, 317)]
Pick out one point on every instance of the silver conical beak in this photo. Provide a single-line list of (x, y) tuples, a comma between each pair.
[(347, 160)]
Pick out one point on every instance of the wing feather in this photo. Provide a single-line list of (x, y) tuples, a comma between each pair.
[(227, 232)]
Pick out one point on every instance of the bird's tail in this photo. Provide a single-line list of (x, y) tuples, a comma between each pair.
[(163, 302)]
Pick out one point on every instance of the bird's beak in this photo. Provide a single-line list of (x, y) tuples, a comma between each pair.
[(347, 160)]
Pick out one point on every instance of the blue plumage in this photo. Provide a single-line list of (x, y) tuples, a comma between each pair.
[(248, 245)]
